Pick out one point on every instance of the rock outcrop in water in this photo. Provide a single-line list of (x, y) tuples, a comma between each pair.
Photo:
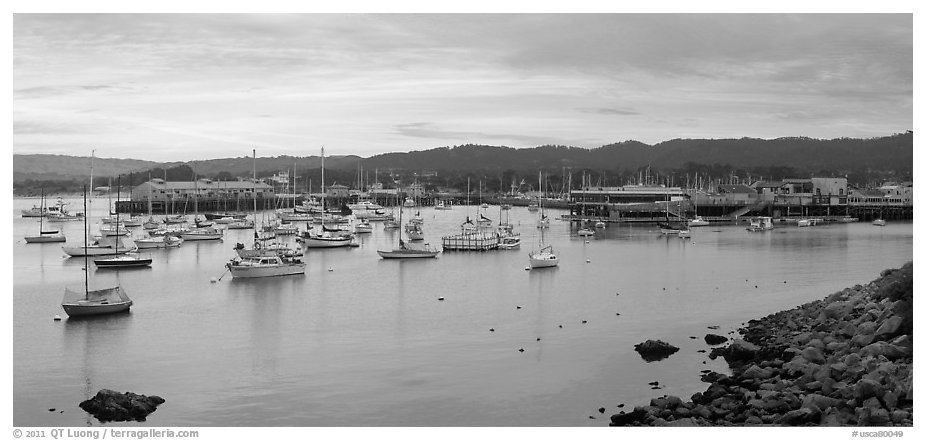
[(846, 360), (655, 350), (113, 406)]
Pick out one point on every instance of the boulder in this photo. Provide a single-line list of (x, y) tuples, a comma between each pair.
[(889, 328), (655, 350), (813, 354), (740, 350), (113, 406), (625, 419), (713, 339)]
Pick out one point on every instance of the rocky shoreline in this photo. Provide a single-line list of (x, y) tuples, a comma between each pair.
[(846, 360)]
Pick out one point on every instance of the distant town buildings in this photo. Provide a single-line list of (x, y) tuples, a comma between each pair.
[(162, 190)]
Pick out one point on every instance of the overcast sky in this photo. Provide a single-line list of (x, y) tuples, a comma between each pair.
[(182, 87)]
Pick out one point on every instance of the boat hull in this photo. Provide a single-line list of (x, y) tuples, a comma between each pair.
[(117, 263), (320, 243), (266, 271), (406, 254), (47, 239), (200, 237), (539, 262), (92, 251), (89, 308)]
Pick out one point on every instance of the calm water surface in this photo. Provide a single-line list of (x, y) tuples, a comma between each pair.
[(359, 341)]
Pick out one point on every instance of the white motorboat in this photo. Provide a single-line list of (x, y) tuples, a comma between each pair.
[(600, 225), (263, 266), (760, 224), (441, 206), (879, 222), (364, 227), (585, 232), (161, 242), (409, 203), (202, 234), (364, 205), (122, 262), (685, 233), (697, 221), (286, 229), (240, 224), (414, 232)]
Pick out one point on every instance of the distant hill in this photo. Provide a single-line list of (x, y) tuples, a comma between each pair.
[(804, 155)]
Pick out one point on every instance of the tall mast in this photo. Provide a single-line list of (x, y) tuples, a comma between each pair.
[(323, 189), (86, 210), (254, 183), (86, 238)]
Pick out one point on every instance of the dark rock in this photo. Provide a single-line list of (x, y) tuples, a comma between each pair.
[(813, 354), (601, 410), (625, 419), (109, 405), (51, 409), (740, 350), (889, 328), (713, 339), (799, 417), (657, 350)]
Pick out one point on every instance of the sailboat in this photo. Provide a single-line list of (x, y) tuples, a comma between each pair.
[(403, 250), (102, 246), (45, 236), (326, 238), (544, 221), (121, 261), (507, 238), (94, 302), (672, 228), (544, 256)]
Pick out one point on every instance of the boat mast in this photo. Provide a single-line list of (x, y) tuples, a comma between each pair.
[(118, 195), (86, 210), (86, 214), (42, 217), (323, 189), (254, 190)]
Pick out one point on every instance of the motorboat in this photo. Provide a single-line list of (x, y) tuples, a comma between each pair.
[(409, 203), (364, 227), (263, 266), (879, 222), (671, 228), (697, 221), (202, 234), (600, 225), (414, 232), (760, 224), (158, 242), (441, 206), (585, 232)]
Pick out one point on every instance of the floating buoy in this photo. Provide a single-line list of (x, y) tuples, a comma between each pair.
[(560, 326), (330, 270), (440, 298), (57, 317), (527, 268), (584, 322), (588, 261), (521, 350), (519, 307), (538, 339), (586, 241), (491, 329), (213, 279)]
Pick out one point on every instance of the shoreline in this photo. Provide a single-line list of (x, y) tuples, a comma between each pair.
[(845, 360)]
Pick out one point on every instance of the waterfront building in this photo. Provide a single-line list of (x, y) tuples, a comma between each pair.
[(736, 194), (160, 190), (337, 191)]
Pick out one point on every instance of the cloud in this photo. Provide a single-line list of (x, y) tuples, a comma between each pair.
[(609, 111)]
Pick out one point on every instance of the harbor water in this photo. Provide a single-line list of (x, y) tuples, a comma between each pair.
[(361, 341)]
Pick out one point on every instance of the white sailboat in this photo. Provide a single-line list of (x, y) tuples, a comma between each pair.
[(101, 246), (325, 238), (544, 255), (543, 221), (403, 250), (45, 236), (122, 261), (94, 302)]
